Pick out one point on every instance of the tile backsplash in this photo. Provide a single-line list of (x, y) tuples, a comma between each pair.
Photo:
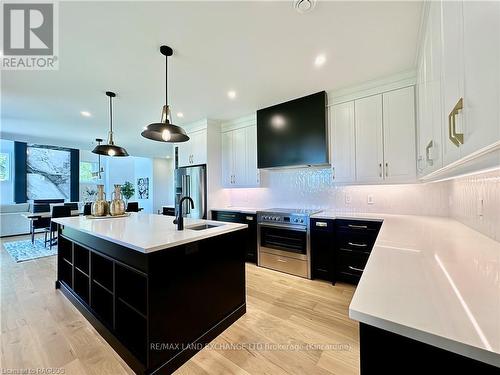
[(314, 188), (475, 201)]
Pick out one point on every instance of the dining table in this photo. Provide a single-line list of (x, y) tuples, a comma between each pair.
[(33, 216)]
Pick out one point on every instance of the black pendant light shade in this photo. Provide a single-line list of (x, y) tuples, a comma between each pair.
[(110, 149), (165, 131)]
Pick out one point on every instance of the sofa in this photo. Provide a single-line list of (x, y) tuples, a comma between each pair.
[(11, 220)]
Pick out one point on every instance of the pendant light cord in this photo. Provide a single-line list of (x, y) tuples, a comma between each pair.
[(110, 114), (166, 80)]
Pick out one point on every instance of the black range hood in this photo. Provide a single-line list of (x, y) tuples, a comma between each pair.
[(293, 134)]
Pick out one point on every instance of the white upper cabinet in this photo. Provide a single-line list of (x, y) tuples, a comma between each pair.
[(399, 135), (429, 109), (462, 40), (227, 159), (194, 151), (239, 157), (452, 78), (369, 139), (253, 174), (342, 142), (481, 41)]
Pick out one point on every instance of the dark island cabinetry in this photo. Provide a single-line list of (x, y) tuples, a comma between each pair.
[(243, 218), (155, 309)]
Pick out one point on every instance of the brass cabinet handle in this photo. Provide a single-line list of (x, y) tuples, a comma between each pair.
[(386, 169), (456, 138), (427, 153), (321, 224)]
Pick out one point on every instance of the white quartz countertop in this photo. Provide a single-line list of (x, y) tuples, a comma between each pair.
[(244, 210), (434, 280), (147, 233)]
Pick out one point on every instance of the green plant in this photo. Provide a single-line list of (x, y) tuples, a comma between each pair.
[(128, 190)]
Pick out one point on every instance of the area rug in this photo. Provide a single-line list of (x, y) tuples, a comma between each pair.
[(24, 250)]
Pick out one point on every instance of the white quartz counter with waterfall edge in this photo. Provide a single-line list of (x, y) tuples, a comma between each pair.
[(147, 233), (434, 280)]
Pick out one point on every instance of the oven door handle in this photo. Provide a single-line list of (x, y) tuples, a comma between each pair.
[(281, 226)]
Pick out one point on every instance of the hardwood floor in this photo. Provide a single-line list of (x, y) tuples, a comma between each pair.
[(41, 329)]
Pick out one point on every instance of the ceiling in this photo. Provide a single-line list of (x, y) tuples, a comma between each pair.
[(264, 51)]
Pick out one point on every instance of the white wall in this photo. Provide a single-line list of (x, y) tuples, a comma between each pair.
[(118, 170), (7, 187), (163, 183)]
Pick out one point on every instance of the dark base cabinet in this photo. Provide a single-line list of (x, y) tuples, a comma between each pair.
[(156, 310), (340, 248), (322, 249), (251, 221), (384, 352)]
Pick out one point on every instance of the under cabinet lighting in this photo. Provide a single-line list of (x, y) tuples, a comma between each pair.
[(85, 113)]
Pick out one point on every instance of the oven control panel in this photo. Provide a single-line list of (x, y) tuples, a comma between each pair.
[(284, 219)]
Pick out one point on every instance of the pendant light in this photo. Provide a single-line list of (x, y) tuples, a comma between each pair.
[(165, 131), (110, 149)]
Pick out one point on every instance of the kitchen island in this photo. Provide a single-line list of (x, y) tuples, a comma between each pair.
[(157, 295)]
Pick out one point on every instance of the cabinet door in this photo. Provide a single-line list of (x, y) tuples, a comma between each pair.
[(253, 176), (369, 148), (227, 159), (322, 249), (239, 157), (184, 153), (198, 147), (399, 135), (452, 74), (342, 142), (481, 74)]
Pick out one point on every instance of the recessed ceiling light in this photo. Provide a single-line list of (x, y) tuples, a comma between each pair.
[(85, 113), (180, 114), (304, 6), (319, 60), (231, 94)]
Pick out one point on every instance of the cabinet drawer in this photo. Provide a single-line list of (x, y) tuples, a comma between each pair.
[(358, 242), (284, 264), (360, 226), (350, 265)]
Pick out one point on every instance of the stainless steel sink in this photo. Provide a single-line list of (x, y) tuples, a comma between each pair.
[(203, 226)]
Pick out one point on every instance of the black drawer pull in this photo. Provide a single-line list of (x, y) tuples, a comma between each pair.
[(356, 269), (357, 244), (357, 226)]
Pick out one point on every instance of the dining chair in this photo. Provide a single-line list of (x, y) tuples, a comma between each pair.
[(74, 205), (39, 222), (133, 207), (57, 211), (87, 209)]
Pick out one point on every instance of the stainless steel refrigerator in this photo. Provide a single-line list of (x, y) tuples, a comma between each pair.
[(192, 182)]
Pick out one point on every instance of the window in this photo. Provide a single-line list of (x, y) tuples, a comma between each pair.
[(87, 171), (4, 166)]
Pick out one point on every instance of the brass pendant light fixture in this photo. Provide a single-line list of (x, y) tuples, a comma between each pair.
[(165, 131), (110, 149)]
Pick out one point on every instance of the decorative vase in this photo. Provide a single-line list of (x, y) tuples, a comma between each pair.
[(117, 206), (100, 206)]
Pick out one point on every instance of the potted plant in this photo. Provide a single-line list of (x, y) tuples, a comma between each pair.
[(128, 191)]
